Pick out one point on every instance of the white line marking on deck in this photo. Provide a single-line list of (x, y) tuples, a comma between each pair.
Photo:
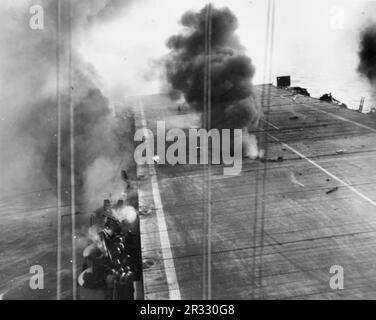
[(321, 168), (270, 124), (325, 171), (168, 261), (342, 118)]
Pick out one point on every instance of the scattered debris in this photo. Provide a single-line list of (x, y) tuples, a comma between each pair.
[(124, 175), (144, 211), (279, 159), (147, 263), (299, 90), (182, 107), (332, 190), (111, 260), (327, 97)]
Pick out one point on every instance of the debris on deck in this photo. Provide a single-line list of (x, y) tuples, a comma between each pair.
[(332, 190), (327, 97), (299, 90), (278, 159)]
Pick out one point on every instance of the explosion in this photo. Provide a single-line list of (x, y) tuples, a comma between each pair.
[(234, 104), (233, 100), (126, 214)]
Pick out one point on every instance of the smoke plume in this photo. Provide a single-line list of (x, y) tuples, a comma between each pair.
[(28, 129), (233, 100), (367, 53), (28, 136)]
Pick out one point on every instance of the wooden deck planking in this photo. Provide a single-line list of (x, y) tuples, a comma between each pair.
[(305, 230)]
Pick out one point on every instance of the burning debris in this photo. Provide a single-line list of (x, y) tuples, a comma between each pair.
[(233, 101), (112, 261), (29, 105)]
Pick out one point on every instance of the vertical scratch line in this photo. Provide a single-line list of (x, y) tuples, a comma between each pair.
[(72, 154), (58, 186)]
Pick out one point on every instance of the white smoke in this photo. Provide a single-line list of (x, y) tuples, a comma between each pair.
[(102, 180), (250, 147), (126, 214)]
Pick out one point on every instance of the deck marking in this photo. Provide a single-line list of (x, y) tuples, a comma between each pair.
[(269, 123), (317, 165), (342, 118), (168, 261), (325, 171)]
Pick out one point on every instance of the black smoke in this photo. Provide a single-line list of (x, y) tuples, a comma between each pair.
[(233, 100), (367, 53)]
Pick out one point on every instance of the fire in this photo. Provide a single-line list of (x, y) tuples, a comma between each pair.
[(125, 214)]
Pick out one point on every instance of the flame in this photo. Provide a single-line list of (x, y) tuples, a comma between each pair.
[(126, 214)]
